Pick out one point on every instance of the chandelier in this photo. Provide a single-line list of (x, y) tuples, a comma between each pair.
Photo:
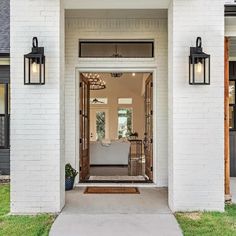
[(116, 74), (95, 82)]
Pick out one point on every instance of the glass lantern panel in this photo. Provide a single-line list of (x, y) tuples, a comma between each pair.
[(207, 70), (231, 117), (34, 71), (43, 72), (199, 71), (26, 70), (231, 92)]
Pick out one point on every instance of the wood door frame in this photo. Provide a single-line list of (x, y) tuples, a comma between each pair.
[(84, 116), (226, 121), (128, 69), (148, 139)]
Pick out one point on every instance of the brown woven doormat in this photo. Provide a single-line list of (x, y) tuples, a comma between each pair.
[(111, 190)]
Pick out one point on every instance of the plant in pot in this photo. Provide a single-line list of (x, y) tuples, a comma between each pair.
[(133, 135), (70, 174)]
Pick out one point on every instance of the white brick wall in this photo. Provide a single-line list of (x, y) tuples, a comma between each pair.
[(37, 153), (117, 28), (195, 143), (196, 113)]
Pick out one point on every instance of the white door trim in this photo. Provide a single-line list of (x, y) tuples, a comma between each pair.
[(102, 67)]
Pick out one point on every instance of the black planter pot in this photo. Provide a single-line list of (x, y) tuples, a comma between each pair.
[(69, 183)]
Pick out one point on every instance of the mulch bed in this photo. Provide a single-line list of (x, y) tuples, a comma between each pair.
[(4, 179)]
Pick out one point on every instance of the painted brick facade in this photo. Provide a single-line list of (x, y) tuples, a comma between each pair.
[(37, 142), (194, 143), (196, 113)]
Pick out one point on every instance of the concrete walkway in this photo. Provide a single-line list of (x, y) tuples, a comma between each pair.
[(144, 214), (233, 188)]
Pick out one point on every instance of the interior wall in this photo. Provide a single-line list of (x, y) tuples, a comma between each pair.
[(109, 25), (120, 88)]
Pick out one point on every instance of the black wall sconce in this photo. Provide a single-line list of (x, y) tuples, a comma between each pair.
[(34, 65), (199, 65)]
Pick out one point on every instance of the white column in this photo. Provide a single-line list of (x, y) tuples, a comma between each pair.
[(196, 113), (37, 120)]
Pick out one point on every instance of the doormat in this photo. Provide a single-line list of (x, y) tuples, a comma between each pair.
[(111, 190)]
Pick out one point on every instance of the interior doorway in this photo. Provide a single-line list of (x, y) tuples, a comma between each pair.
[(116, 127)]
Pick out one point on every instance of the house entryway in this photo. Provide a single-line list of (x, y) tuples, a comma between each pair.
[(141, 214), (116, 127)]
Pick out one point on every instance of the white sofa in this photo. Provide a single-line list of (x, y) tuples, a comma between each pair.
[(114, 153)]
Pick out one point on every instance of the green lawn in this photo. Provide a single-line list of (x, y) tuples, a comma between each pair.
[(21, 225), (209, 223), (192, 224)]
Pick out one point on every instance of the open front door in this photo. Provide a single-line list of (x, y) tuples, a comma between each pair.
[(148, 139), (84, 128)]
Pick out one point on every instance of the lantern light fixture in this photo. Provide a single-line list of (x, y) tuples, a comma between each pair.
[(199, 65), (34, 65)]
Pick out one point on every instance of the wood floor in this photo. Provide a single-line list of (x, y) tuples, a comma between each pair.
[(115, 173), (117, 178)]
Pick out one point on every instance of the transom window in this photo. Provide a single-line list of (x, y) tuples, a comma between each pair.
[(120, 48)]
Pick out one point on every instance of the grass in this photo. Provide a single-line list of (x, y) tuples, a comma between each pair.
[(38, 225), (192, 224), (209, 223)]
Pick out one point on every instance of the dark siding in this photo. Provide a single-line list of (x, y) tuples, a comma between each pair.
[(4, 161), (4, 70), (4, 74), (4, 26), (4, 153)]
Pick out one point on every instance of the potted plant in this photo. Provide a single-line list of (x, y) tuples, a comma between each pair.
[(70, 174)]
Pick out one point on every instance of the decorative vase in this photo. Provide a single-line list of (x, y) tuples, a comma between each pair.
[(69, 183)]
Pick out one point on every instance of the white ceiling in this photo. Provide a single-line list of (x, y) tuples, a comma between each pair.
[(116, 4), (133, 83), (130, 14)]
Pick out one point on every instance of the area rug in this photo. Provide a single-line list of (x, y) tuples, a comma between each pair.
[(111, 190), (117, 178)]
